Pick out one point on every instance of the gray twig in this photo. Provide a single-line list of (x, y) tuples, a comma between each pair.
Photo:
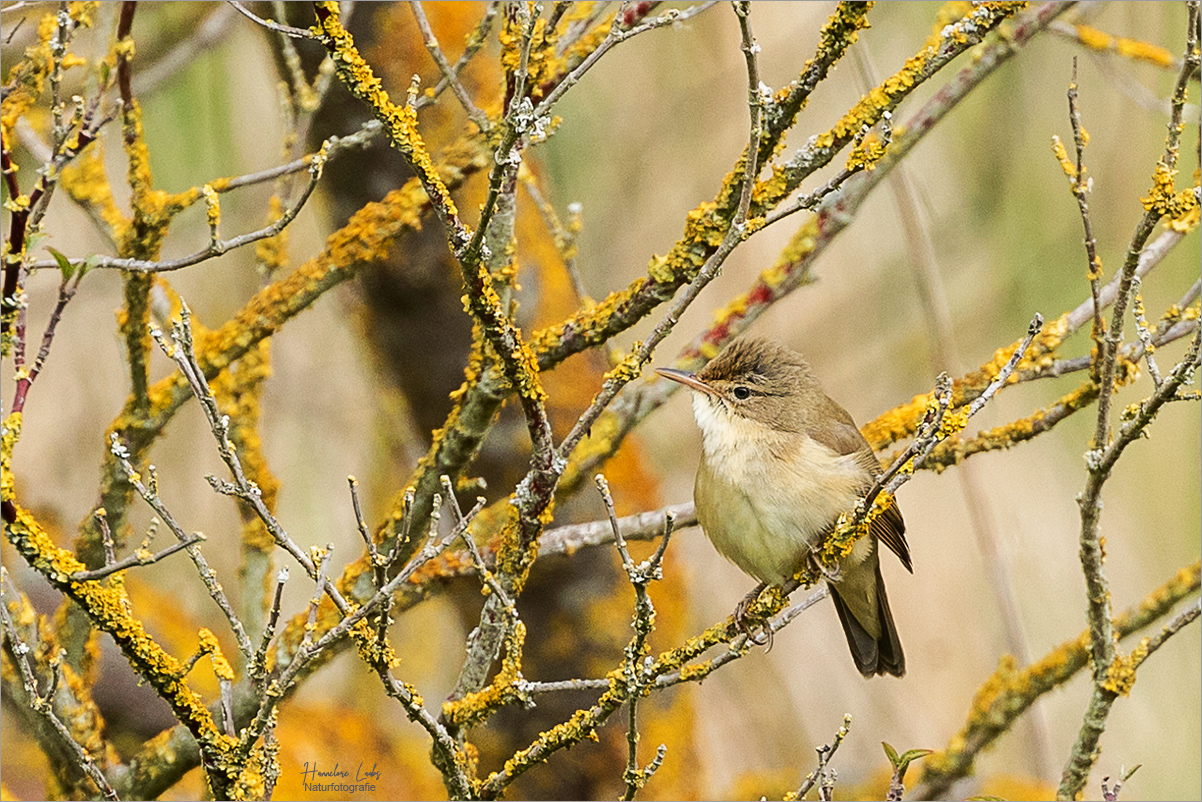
[(823, 772), (450, 75), (272, 25), (43, 704)]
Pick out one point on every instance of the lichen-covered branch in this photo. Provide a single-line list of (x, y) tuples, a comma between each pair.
[(1010, 691)]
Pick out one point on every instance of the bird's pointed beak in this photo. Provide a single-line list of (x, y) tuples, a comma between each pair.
[(686, 378)]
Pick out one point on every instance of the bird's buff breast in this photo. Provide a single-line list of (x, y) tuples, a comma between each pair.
[(764, 498)]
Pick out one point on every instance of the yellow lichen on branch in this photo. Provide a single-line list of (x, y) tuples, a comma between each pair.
[(869, 110), (902, 421), (10, 433), (1009, 691), (108, 606), (1120, 674), (1133, 49), (27, 79), (85, 180), (210, 646), (505, 688), (1162, 198), (865, 155), (1066, 164), (399, 121), (516, 554), (847, 533), (955, 449)]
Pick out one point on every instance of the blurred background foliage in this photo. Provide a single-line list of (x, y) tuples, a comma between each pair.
[(360, 380)]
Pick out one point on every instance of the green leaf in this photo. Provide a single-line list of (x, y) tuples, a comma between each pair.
[(915, 754), (64, 264), (909, 757), (902, 762)]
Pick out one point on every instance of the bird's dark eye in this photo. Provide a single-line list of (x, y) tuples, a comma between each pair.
[(742, 393)]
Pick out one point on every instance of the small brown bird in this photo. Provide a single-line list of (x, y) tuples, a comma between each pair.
[(780, 462)]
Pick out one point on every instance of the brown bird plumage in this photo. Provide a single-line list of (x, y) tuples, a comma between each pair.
[(781, 461)]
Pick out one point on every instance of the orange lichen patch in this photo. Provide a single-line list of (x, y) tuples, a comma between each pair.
[(86, 182), (956, 449), (1163, 200), (108, 606), (1066, 164), (841, 542), (1127, 48), (399, 121), (10, 433), (28, 77), (948, 13), (474, 708)]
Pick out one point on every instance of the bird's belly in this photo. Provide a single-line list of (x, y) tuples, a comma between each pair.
[(764, 515)]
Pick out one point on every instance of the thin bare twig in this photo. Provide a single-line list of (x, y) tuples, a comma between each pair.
[(137, 558), (1149, 647), (149, 494), (216, 246), (272, 25), (475, 41), (1144, 333), (450, 75), (636, 651), (825, 753)]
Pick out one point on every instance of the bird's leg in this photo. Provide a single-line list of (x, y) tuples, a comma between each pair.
[(743, 614)]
